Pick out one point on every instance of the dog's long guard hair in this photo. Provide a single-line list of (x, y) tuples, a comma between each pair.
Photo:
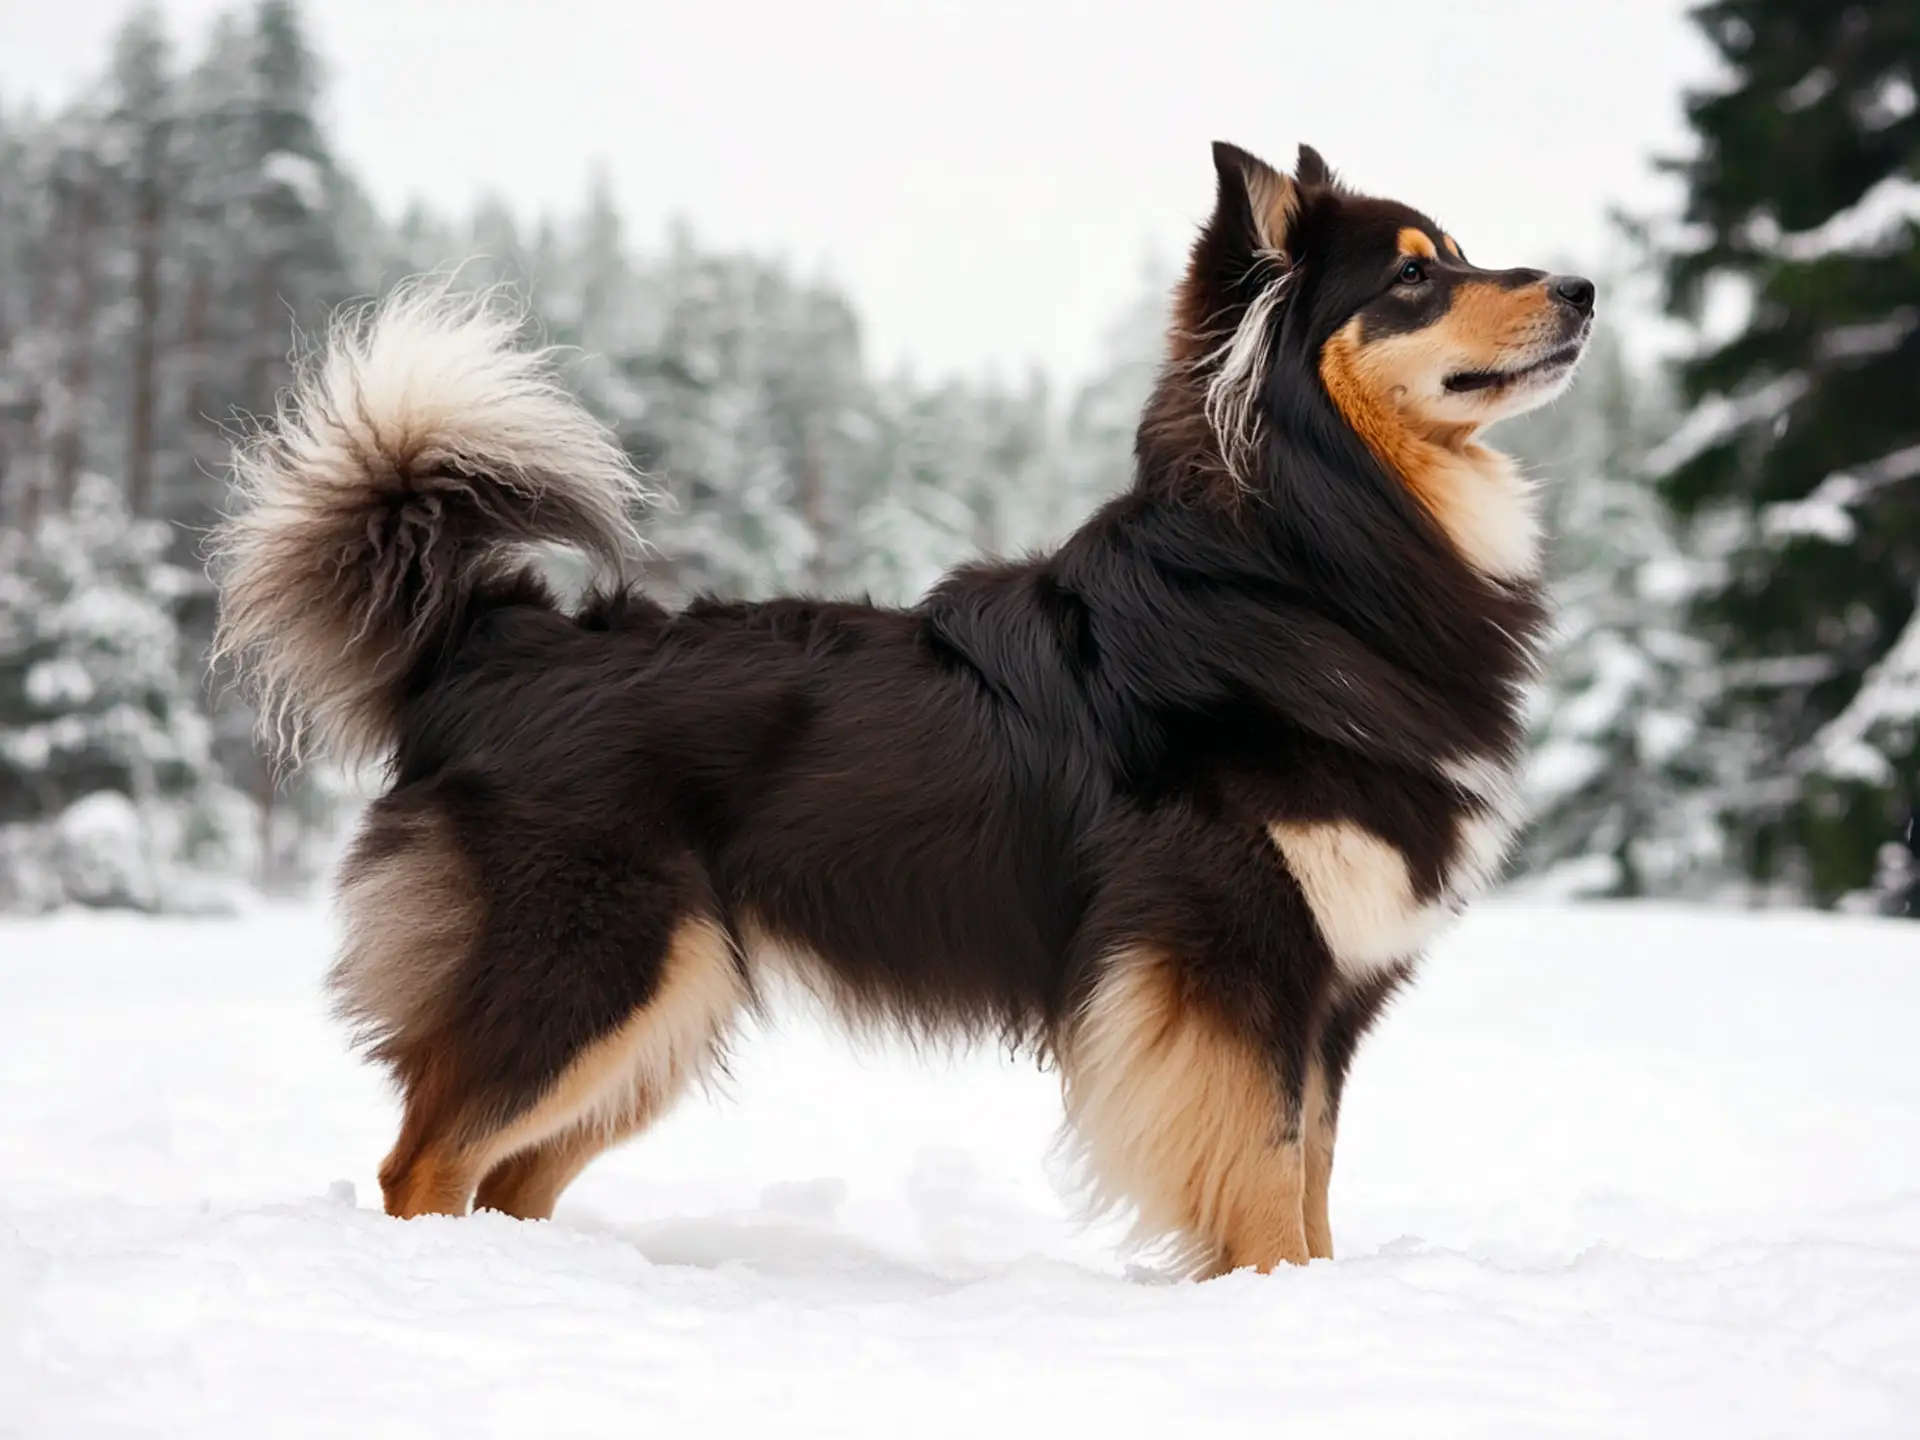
[(418, 450), (1178, 805)]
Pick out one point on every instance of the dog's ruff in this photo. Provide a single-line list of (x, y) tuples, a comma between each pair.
[(1179, 805)]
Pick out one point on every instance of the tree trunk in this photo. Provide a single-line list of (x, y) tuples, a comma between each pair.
[(70, 453), (813, 504), (263, 354), (32, 447), (149, 216), (193, 355), (15, 411)]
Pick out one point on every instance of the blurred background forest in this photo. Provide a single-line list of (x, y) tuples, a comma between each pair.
[(1730, 712)]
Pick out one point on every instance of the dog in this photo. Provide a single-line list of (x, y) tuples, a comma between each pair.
[(1177, 806)]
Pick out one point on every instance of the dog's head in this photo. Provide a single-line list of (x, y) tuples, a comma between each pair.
[(1297, 281)]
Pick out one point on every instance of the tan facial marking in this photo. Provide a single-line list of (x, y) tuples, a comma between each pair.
[(1416, 242), (1175, 1115), (1486, 320), (1366, 383), (1453, 247), (1484, 324), (1474, 494)]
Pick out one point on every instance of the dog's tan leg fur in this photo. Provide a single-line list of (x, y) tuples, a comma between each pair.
[(429, 1171), (434, 1179), (1317, 1129), (1265, 1220), (611, 1087), (1178, 1117), (528, 1185)]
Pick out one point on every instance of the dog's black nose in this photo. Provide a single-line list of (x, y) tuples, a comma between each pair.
[(1576, 290)]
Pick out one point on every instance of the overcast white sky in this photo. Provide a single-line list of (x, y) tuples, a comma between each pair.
[(984, 177)]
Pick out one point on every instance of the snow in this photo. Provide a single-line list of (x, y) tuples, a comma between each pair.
[(1718, 418), (1605, 1171), (1826, 514), (1902, 464), (298, 173), (1869, 338), (1873, 224), (1809, 90), (1889, 696), (1892, 101)]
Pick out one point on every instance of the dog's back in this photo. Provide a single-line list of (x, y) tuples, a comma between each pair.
[(1178, 805)]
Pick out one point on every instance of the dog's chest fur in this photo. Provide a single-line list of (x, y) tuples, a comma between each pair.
[(1373, 908)]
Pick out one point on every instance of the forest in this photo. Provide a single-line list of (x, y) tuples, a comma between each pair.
[(1730, 712)]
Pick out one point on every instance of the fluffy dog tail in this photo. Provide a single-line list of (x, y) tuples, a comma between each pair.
[(416, 457)]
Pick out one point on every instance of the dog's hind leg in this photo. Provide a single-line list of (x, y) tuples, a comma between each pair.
[(528, 1185), (520, 1085), (432, 1167), (1187, 1120), (413, 916)]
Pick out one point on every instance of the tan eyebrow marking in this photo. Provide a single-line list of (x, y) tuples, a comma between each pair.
[(1453, 245), (1413, 241)]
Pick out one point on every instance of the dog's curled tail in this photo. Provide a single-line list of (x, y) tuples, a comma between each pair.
[(415, 453)]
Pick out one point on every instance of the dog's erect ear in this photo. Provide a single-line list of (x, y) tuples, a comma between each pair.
[(1311, 169), (1255, 199), (1239, 254)]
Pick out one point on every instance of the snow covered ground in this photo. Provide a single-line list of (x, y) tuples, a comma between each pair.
[(1606, 1172)]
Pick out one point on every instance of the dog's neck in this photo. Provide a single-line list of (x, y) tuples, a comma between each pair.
[(1332, 544), (1473, 493)]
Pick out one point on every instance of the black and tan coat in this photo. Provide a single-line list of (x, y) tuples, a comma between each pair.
[(1178, 805)]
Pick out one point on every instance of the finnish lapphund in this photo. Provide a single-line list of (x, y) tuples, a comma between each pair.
[(1176, 806)]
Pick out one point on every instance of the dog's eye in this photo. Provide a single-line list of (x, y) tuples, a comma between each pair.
[(1411, 273)]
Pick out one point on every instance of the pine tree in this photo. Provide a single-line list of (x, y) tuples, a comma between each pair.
[(265, 212), (80, 200), (495, 254), (1106, 410), (140, 158), (742, 390), (163, 237), (1624, 779), (108, 790), (1803, 210), (1015, 494), (422, 242), (920, 519), (55, 220), (602, 274), (263, 209), (19, 402)]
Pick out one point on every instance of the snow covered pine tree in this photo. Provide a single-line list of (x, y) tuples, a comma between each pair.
[(1804, 204), (1622, 781), (108, 790)]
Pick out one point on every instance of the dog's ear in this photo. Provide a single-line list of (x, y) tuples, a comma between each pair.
[(1239, 252), (1256, 203), (1311, 169)]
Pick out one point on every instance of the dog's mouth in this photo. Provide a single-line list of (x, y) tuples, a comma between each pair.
[(1554, 363)]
